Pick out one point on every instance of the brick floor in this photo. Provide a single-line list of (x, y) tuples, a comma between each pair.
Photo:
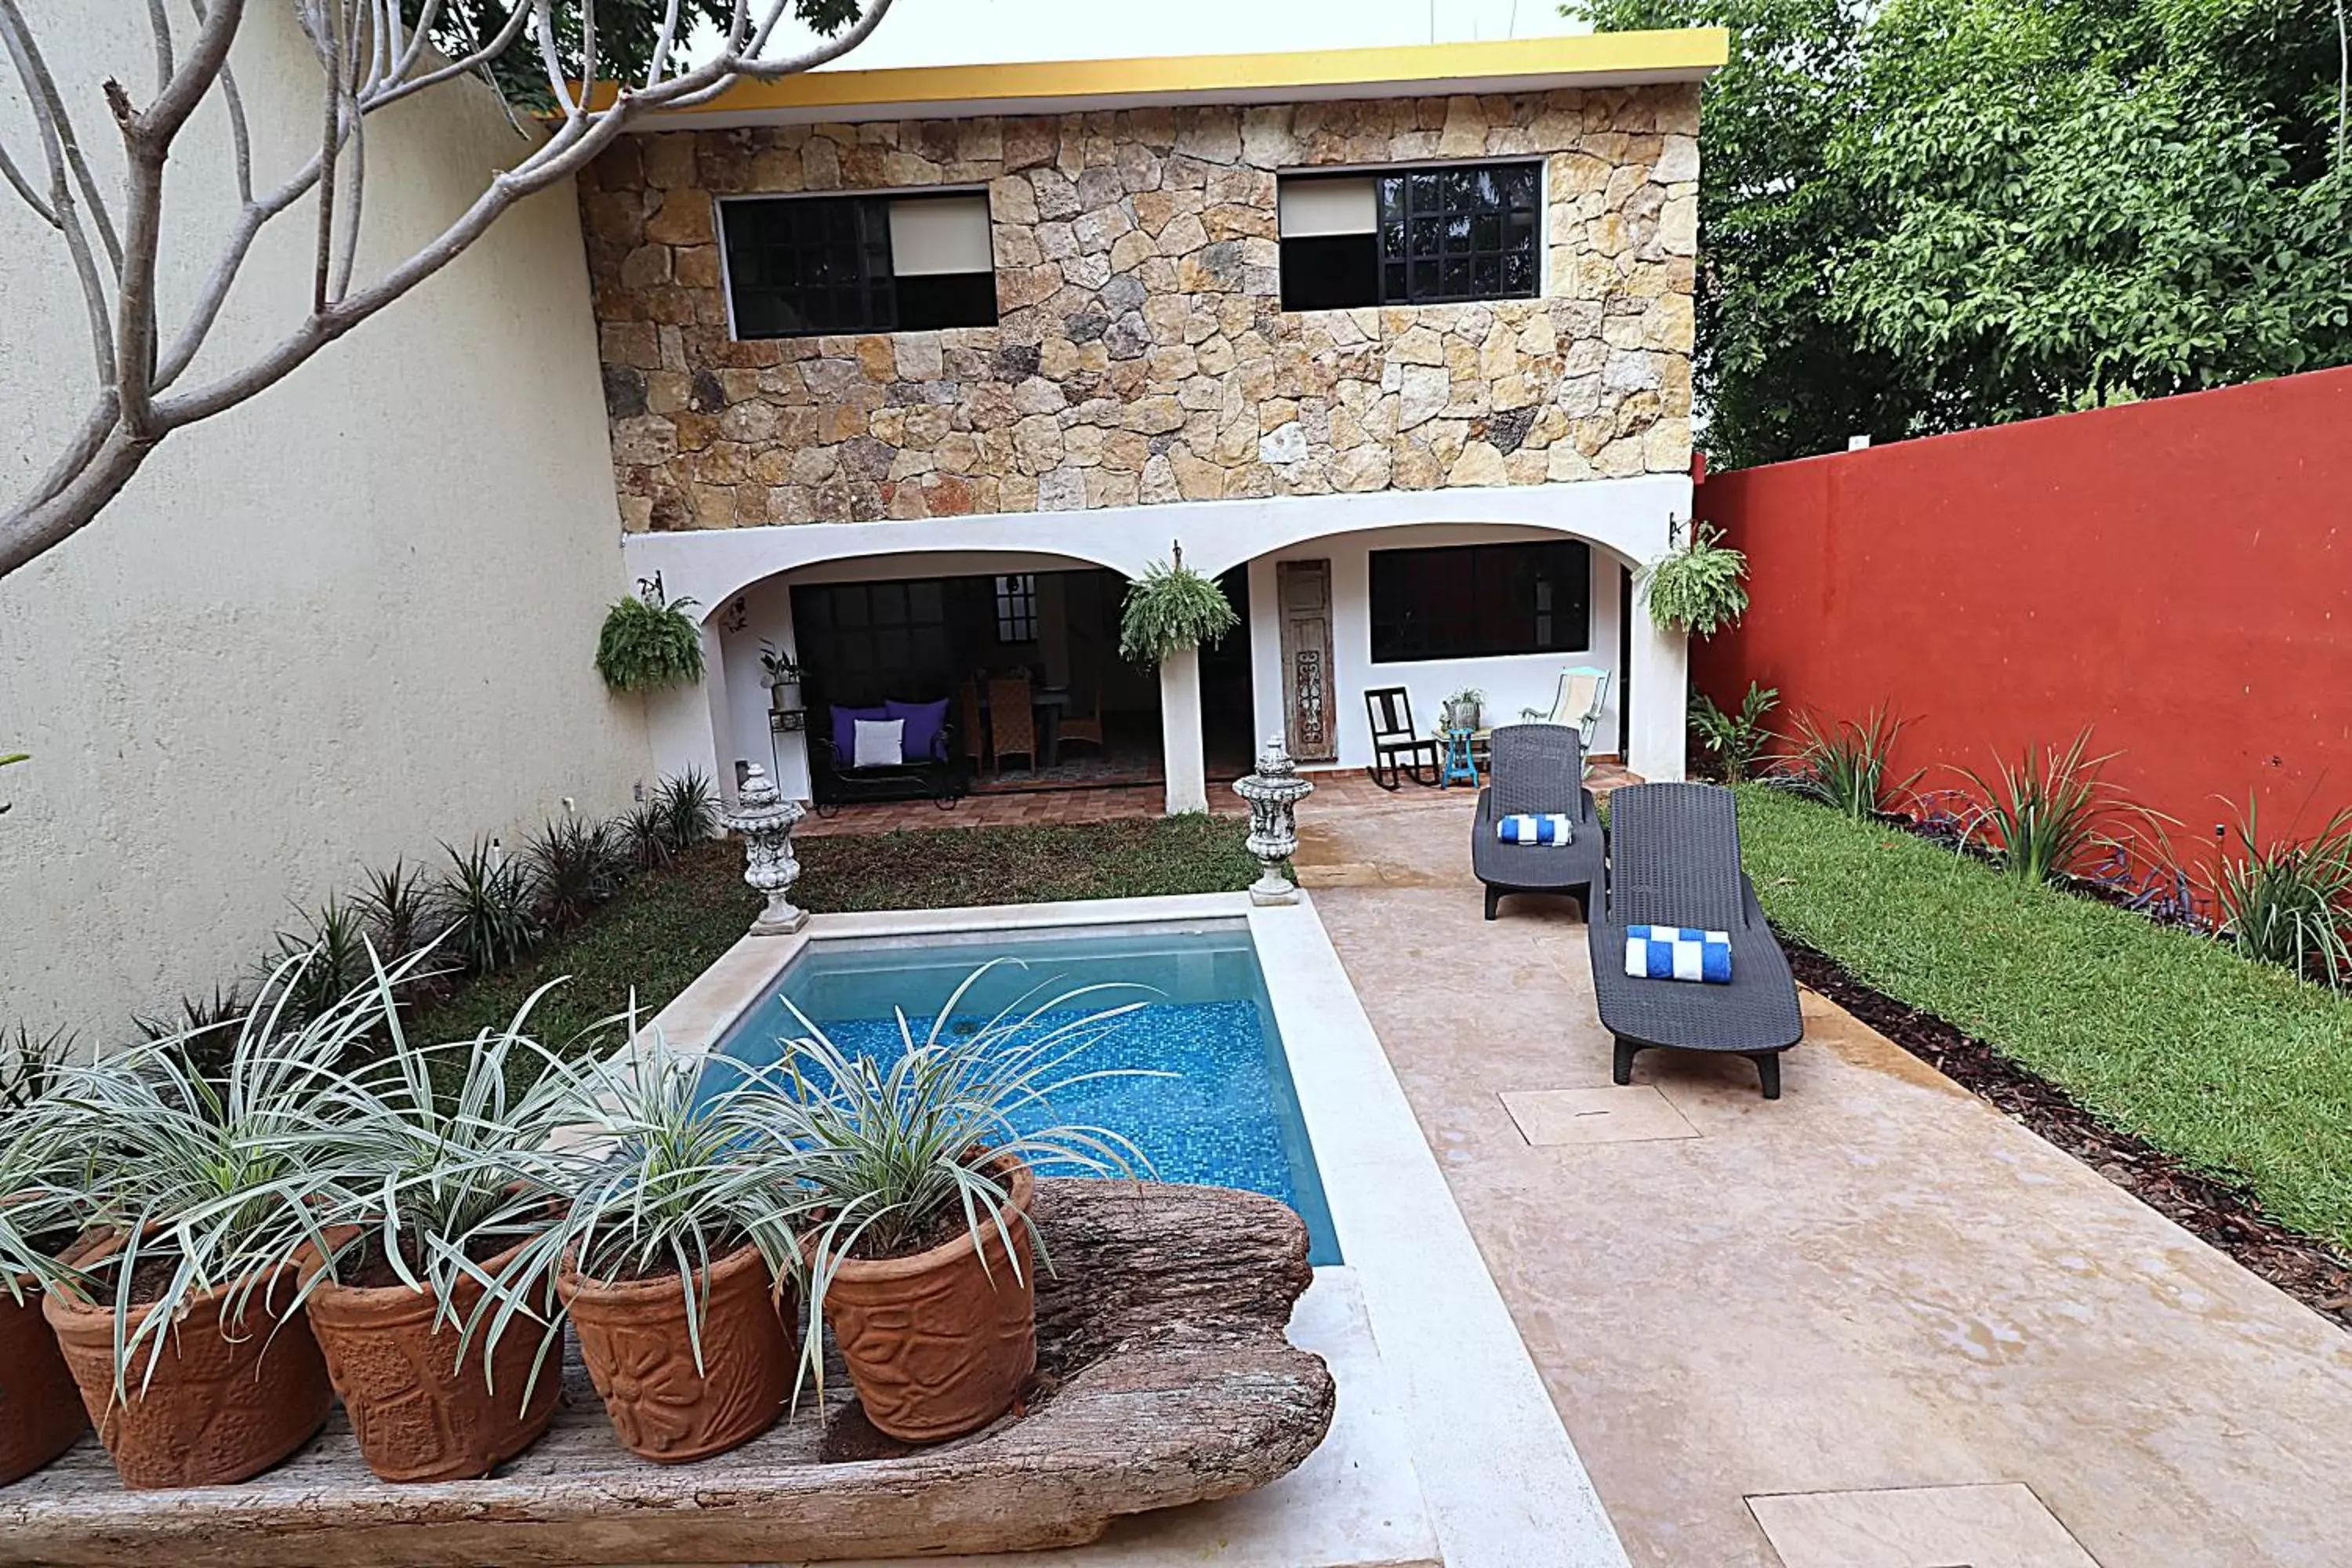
[(1351, 787)]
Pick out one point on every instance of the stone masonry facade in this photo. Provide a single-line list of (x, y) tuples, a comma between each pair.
[(1141, 354)]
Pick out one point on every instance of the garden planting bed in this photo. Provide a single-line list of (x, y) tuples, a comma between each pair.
[(1164, 1378)]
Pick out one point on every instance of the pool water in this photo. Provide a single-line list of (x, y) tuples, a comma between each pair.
[(1227, 1115)]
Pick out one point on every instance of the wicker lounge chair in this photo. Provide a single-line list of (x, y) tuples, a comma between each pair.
[(1673, 859), (1537, 768)]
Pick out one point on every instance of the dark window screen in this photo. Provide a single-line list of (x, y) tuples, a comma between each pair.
[(803, 265), (810, 264), (1475, 601), (864, 642), (1466, 231)]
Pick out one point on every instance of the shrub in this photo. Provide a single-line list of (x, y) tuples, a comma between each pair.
[(317, 967), (688, 807), (1171, 608), (2041, 815), (643, 835), (649, 643), (485, 902), (397, 905), (1735, 740), (28, 1067), (1843, 766), (577, 865), (2290, 902), (1700, 588), (205, 1033)]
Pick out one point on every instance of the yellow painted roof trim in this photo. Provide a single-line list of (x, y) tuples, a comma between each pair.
[(1518, 64)]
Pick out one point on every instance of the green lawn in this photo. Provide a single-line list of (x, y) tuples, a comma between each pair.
[(671, 925), (2235, 1066)]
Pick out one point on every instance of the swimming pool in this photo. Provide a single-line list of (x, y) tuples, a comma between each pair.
[(1228, 1115)]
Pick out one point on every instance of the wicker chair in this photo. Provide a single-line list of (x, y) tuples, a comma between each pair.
[(1673, 859), (1537, 770), (1012, 718)]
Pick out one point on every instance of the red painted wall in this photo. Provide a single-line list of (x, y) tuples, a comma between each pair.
[(2177, 575)]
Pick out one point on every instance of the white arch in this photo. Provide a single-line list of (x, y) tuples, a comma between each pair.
[(1630, 519)]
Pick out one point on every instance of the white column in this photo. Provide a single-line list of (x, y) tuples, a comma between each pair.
[(689, 727), (1657, 724), (1180, 732)]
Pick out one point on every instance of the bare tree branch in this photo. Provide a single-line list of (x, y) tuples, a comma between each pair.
[(41, 93), (372, 55)]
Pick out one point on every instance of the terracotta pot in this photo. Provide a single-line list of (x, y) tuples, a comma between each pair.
[(41, 1413), (936, 1345), (418, 1415), (633, 1336), (218, 1409)]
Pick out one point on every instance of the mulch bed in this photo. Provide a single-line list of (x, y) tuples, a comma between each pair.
[(2218, 1212)]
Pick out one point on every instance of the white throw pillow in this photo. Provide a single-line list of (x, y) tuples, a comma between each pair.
[(881, 744)]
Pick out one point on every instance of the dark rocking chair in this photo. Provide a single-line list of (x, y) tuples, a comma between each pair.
[(1390, 707)]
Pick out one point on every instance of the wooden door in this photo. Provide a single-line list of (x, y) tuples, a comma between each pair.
[(1310, 720)]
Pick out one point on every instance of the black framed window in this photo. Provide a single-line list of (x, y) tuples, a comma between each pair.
[(1481, 601), (1016, 608), (1412, 237), (862, 643), (803, 265)]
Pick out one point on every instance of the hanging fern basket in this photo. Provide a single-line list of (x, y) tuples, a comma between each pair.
[(1698, 589), (1170, 609), (649, 643)]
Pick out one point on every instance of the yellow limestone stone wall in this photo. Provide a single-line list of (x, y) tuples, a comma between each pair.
[(1141, 353)]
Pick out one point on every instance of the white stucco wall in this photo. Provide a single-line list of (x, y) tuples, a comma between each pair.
[(346, 620), (1511, 682)]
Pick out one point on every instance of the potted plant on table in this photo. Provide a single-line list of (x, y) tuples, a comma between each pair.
[(676, 1254), (433, 1205), (1462, 709), (41, 1413), (925, 1263), (183, 1321)]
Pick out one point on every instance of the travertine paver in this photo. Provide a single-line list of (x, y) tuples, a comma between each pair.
[(1876, 1282), (1919, 1527)]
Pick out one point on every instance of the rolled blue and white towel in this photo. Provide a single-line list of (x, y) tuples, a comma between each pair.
[(1551, 829), (1678, 952)]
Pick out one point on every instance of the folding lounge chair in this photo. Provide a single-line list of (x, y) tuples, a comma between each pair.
[(1536, 769), (1673, 860)]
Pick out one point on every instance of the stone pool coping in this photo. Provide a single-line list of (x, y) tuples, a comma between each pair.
[(1500, 1483)]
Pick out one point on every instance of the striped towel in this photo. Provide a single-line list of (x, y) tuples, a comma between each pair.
[(1554, 828), (1678, 952)]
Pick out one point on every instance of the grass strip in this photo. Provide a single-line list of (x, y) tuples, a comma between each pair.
[(2237, 1068)]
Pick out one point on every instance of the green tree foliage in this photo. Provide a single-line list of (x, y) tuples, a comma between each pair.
[(1928, 214), (627, 32)]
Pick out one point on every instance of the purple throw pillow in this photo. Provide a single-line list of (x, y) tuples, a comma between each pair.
[(845, 730), (927, 725)]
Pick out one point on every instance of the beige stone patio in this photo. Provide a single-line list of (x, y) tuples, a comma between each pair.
[(1876, 1287)]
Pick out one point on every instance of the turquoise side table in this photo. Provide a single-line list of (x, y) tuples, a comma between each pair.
[(1460, 765)]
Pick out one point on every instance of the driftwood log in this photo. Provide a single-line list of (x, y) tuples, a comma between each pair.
[(1164, 1378)]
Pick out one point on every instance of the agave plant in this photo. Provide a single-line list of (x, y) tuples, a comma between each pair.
[(688, 807), (893, 1154), (576, 865), (215, 1183), (2289, 901), (2042, 816), (1843, 766), (484, 901)]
